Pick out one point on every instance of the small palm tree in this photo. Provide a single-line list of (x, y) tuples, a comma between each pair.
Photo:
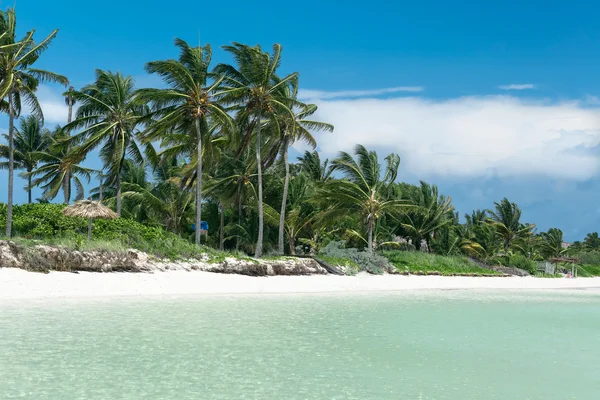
[(57, 169), (363, 191), (183, 109), (19, 82), (317, 171), (592, 241), (258, 94), (552, 243), (30, 139), (107, 117), (506, 219)]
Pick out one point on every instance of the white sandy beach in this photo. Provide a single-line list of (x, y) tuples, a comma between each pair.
[(20, 284)]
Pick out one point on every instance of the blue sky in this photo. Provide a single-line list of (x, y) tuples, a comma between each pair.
[(484, 100)]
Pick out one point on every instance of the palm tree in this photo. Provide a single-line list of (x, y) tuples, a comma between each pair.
[(259, 94), (19, 82), (70, 103), (506, 219), (592, 241), (432, 212), (56, 169), (364, 190), (29, 139), (317, 171), (185, 107), (552, 243), (108, 116), (292, 130)]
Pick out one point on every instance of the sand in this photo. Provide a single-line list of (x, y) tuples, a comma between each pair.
[(19, 284)]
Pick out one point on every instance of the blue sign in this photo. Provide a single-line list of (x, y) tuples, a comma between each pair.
[(203, 226)]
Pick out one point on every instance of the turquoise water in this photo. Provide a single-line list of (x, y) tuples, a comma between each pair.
[(445, 345)]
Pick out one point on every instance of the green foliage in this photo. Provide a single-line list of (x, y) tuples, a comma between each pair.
[(350, 266), (46, 222), (369, 262), (519, 261), (417, 262), (589, 257)]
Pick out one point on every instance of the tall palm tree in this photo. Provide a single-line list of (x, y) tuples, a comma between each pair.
[(19, 82), (56, 168), (259, 94), (506, 219), (183, 109), (108, 115), (30, 139), (291, 130), (70, 103), (363, 190)]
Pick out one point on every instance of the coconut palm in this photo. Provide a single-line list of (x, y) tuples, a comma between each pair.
[(259, 94), (363, 191), (432, 212), (29, 139), (291, 130), (552, 243), (107, 116), (317, 171), (592, 241), (19, 82), (56, 169), (505, 218), (70, 103), (184, 108)]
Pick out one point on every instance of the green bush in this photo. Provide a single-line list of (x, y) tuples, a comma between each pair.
[(372, 263), (427, 263), (589, 257), (522, 262), (46, 222)]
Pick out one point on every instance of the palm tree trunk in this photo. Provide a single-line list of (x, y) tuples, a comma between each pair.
[(67, 179), (259, 242), (119, 193), (237, 239), (222, 228), (11, 165), (370, 233), (285, 194), (29, 187), (198, 181), (292, 244), (100, 188)]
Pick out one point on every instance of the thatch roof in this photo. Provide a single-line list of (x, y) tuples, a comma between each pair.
[(89, 209)]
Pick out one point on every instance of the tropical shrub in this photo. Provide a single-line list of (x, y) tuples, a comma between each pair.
[(369, 262)]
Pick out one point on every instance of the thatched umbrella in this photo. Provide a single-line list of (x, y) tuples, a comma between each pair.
[(91, 210)]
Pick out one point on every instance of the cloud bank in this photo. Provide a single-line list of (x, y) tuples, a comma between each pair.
[(470, 137)]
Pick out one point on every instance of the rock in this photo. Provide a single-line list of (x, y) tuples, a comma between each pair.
[(44, 258)]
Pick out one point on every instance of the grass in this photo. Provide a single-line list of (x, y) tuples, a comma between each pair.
[(415, 262), (170, 249), (586, 271), (338, 261)]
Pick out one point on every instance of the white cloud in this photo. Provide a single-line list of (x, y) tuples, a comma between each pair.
[(53, 106), (319, 94), (517, 86), (469, 137)]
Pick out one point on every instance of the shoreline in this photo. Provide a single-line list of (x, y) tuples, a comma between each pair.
[(17, 284)]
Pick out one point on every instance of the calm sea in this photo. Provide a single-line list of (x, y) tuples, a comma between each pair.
[(419, 345)]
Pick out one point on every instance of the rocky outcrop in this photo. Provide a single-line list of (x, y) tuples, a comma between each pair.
[(44, 258)]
